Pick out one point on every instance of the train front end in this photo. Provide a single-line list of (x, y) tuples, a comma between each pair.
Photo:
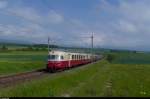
[(55, 61)]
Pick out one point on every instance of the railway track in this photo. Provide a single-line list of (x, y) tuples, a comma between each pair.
[(21, 77), (6, 81)]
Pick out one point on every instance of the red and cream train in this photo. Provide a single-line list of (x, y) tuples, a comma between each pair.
[(59, 60)]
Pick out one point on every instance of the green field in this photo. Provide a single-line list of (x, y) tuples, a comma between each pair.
[(18, 61), (103, 78), (131, 58)]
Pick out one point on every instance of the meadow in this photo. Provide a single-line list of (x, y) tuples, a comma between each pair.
[(12, 62), (131, 58), (116, 78)]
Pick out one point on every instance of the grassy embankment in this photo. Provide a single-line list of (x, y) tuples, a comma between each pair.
[(100, 79), (21, 61)]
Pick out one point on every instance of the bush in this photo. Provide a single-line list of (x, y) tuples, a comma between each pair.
[(4, 48), (110, 57)]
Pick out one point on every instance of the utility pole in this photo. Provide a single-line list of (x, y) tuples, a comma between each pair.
[(92, 37), (92, 43), (48, 44)]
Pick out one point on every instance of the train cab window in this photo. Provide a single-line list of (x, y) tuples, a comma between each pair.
[(53, 57)]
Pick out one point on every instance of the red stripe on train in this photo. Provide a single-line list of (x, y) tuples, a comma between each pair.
[(64, 64)]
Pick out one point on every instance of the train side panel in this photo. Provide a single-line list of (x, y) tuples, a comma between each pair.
[(67, 60)]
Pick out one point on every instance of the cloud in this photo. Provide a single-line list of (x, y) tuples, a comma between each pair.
[(33, 26), (29, 33), (124, 24), (34, 16), (54, 17), (36, 26)]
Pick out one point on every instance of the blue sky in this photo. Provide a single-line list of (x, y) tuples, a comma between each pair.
[(122, 24)]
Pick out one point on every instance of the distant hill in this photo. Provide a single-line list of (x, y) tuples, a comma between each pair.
[(74, 49)]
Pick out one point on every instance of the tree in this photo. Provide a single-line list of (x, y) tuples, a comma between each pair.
[(110, 57), (4, 48), (30, 48)]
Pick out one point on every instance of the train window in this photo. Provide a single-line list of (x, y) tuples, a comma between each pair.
[(61, 57), (73, 57)]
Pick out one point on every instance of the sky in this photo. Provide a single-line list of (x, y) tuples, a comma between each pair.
[(121, 24)]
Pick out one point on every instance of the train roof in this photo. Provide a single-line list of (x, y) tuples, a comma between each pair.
[(65, 52)]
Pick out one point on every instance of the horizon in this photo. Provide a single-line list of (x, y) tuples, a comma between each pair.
[(102, 48), (116, 24)]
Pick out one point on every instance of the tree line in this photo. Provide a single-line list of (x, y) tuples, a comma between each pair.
[(26, 48)]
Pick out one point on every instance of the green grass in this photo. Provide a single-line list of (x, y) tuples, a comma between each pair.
[(130, 80), (99, 79), (132, 58), (55, 85), (118, 78), (19, 61)]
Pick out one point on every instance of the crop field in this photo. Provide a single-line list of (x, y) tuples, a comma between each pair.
[(21, 61), (121, 77)]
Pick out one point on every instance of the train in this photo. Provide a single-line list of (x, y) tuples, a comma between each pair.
[(60, 60)]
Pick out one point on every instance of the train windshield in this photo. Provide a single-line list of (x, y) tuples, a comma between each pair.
[(53, 57)]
